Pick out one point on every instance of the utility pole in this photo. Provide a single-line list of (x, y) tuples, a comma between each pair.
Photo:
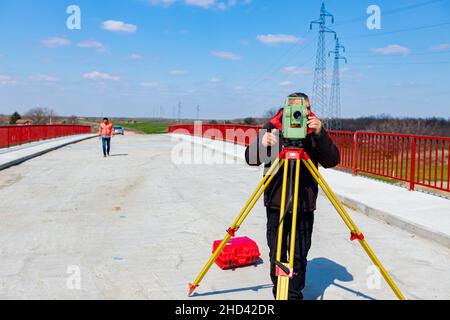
[(198, 112), (179, 110), (335, 97), (319, 98)]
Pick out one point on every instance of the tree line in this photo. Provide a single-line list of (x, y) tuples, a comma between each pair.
[(41, 116), (426, 126)]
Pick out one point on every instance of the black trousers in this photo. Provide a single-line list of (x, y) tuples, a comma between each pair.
[(305, 222)]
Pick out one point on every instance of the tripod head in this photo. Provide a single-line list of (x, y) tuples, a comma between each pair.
[(294, 143)]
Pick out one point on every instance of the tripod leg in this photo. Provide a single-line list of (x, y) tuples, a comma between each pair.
[(294, 215), (282, 286), (268, 177), (356, 234), (283, 280)]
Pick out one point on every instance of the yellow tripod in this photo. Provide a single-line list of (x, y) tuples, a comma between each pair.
[(284, 271)]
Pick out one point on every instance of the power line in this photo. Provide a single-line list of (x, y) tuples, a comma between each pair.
[(388, 12), (399, 31)]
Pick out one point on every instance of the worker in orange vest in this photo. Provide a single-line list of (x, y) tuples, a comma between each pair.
[(106, 131)]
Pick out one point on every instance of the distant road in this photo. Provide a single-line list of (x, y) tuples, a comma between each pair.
[(138, 226)]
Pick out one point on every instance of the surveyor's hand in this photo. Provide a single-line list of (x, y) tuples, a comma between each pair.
[(315, 124), (270, 138)]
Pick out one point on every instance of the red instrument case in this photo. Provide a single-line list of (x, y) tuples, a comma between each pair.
[(239, 252)]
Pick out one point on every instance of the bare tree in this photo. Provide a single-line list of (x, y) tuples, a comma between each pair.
[(73, 120), (269, 114), (41, 115)]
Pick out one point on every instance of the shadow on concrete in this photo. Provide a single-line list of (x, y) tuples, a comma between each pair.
[(322, 273), (119, 155), (255, 288)]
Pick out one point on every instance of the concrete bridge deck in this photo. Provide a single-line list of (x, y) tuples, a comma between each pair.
[(138, 225)]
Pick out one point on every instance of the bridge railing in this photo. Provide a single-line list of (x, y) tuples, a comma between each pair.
[(414, 159), (15, 135), (417, 160)]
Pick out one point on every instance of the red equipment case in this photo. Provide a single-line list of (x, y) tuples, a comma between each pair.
[(239, 252)]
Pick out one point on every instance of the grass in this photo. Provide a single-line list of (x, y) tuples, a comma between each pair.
[(150, 127), (422, 172)]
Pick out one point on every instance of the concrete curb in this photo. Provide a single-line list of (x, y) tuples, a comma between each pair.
[(386, 217), (396, 221), (18, 161)]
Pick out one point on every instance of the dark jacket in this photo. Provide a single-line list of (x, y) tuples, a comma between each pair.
[(320, 149)]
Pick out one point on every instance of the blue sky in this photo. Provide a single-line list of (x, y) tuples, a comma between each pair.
[(234, 58)]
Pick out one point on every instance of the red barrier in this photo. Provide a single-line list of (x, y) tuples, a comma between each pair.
[(15, 135), (238, 134), (417, 160)]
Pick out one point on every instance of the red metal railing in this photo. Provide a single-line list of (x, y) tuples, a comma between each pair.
[(417, 160), (238, 134), (15, 135)]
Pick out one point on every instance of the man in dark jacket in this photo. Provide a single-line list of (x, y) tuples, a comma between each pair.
[(265, 149)]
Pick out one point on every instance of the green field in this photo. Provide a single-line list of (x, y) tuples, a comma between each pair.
[(147, 127)]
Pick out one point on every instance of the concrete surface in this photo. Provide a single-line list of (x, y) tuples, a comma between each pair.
[(422, 214), (140, 225), (18, 154)]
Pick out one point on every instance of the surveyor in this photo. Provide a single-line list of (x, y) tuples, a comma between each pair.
[(106, 131), (321, 149)]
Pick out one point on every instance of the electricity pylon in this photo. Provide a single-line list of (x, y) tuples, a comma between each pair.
[(335, 97), (320, 98), (179, 110)]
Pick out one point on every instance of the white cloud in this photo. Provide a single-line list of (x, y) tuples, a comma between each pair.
[(178, 72), (225, 55), (393, 49), (6, 80), (293, 70), (119, 26), (205, 4), (98, 46), (43, 78), (286, 84), (95, 75), (56, 42), (238, 88), (200, 3), (162, 2), (215, 80), (273, 39), (151, 85), (135, 56), (441, 47)]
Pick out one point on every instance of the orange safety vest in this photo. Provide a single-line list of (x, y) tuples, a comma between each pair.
[(106, 129)]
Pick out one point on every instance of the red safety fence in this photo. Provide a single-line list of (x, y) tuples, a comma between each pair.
[(15, 135), (417, 160)]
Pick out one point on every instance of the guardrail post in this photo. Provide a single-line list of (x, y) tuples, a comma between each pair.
[(355, 153), (412, 174)]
